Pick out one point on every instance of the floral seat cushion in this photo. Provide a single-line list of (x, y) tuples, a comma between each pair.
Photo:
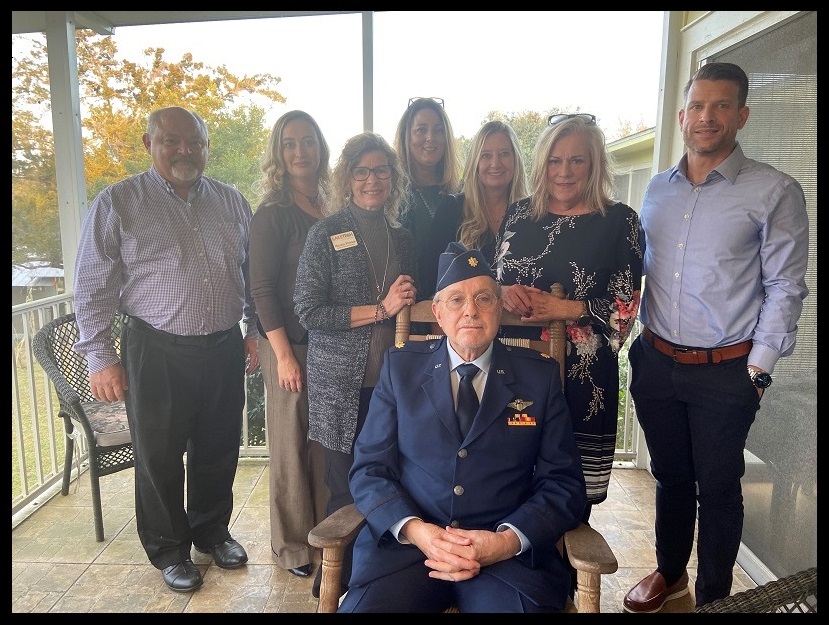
[(109, 422)]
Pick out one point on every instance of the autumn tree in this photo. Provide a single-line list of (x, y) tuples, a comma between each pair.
[(116, 97), (627, 128)]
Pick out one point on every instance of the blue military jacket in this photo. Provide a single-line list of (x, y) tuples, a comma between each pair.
[(519, 463)]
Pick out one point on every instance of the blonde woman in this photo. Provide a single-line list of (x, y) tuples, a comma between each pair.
[(570, 230), (494, 178), (295, 178)]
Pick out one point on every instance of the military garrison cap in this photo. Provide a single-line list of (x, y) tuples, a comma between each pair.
[(458, 263)]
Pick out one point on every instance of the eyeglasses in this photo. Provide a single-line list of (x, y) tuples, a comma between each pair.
[(585, 117), (436, 100), (483, 301), (383, 172)]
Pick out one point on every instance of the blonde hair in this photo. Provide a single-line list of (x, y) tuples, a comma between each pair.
[(274, 186), (475, 222), (448, 167), (599, 191), (353, 150)]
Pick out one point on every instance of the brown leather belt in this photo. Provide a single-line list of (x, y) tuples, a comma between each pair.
[(696, 355)]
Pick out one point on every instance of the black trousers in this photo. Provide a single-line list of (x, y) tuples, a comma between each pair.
[(696, 420), (183, 397)]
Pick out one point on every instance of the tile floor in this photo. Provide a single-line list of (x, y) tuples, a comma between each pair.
[(57, 566)]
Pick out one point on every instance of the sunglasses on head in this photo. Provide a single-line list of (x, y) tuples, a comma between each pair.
[(560, 117), (436, 100)]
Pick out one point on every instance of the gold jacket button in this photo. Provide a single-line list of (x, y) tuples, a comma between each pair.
[(458, 490), (463, 453), (454, 524)]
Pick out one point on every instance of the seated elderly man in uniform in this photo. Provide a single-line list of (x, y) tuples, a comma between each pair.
[(464, 505)]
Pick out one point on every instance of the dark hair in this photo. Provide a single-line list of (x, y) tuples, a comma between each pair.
[(722, 71), (448, 169)]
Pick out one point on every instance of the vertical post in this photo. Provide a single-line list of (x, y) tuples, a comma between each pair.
[(558, 334), (402, 325)]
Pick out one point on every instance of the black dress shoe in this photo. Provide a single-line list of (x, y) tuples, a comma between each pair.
[(227, 554), (182, 577), (302, 571)]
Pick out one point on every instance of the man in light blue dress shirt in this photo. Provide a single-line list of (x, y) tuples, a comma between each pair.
[(726, 245)]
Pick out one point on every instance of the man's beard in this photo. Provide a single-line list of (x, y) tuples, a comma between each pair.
[(184, 171)]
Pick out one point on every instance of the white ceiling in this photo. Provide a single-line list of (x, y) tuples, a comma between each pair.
[(103, 22)]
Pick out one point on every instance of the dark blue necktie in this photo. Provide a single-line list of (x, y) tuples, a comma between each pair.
[(467, 397)]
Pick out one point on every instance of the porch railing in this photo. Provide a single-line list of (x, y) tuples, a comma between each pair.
[(38, 440)]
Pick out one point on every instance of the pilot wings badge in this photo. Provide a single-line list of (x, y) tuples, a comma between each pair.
[(520, 404)]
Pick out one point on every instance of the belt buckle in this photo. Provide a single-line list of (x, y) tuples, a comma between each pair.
[(701, 356), (680, 350)]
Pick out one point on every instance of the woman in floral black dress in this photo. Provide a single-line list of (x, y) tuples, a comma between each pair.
[(570, 231)]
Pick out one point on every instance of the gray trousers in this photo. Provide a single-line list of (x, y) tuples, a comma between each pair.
[(298, 493)]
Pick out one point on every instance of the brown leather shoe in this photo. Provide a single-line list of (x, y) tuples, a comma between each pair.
[(651, 593)]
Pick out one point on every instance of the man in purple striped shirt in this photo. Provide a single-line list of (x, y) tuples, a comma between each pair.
[(168, 248)]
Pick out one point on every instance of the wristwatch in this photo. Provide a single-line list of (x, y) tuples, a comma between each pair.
[(585, 319), (761, 379)]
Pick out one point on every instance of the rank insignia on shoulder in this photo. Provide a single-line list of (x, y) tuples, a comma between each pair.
[(399, 345), (545, 354), (520, 404)]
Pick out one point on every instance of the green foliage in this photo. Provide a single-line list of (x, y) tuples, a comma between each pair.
[(237, 141), (116, 97), (621, 416), (34, 424), (256, 409)]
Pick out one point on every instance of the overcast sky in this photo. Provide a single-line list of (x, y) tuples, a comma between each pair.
[(603, 62)]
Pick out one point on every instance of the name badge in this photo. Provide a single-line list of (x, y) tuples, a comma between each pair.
[(344, 240)]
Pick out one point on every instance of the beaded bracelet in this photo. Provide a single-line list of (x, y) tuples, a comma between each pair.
[(383, 308)]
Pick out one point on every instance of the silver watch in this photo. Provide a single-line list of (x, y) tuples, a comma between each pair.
[(761, 379)]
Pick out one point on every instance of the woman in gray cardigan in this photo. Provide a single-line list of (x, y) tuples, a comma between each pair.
[(354, 275)]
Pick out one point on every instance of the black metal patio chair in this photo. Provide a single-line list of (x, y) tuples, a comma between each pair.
[(103, 425)]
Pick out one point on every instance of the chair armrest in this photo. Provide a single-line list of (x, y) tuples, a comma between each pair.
[(337, 529), (588, 551), (591, 556), (332, 535)]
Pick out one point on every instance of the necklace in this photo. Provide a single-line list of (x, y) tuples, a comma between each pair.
[(425, 203), (377, 283), (314, 201)]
